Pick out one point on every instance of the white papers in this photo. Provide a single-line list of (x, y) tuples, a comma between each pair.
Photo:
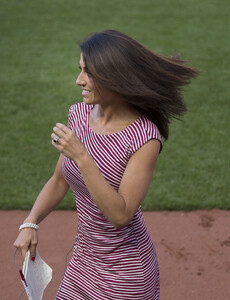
[(37, 275)]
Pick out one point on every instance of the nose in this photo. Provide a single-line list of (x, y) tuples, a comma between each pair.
[(80, 80)]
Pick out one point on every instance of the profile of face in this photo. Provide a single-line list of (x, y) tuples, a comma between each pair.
[(90, 92), (85, 81)]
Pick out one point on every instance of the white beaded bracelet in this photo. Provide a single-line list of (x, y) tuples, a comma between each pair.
[(28, 225)]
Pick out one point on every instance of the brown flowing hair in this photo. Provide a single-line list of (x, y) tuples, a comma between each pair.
[(151, 82)]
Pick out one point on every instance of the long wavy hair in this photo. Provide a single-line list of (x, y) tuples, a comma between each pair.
[(151, 82)]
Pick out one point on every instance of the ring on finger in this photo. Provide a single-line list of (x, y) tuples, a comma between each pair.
[(56, 139)]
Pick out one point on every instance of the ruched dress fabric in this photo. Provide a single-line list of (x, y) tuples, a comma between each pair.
[(108, 263)]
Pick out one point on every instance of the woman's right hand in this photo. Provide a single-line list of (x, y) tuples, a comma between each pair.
[(27, 238)]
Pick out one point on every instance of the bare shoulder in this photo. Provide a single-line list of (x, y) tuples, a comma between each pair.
[(138, 175), (141, 165), (147, 153)]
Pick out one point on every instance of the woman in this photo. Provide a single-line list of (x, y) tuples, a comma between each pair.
[(108, 154)]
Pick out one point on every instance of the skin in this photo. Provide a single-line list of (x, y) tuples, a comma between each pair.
[(110, 114)]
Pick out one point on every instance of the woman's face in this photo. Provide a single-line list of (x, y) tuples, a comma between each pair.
[(89, 91), (91, 94)]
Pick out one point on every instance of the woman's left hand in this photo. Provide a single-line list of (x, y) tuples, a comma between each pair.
[(67, 142)]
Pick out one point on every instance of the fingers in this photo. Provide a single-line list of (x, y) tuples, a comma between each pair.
[(22, 247), (60, 134), (33, 247), (66, 141), (61, 129), (26, 239), (24, 250), (55, 138)]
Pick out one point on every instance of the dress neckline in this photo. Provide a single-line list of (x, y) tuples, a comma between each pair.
[(114, 133)]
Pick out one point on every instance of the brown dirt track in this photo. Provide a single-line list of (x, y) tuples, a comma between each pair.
[(193, 250)]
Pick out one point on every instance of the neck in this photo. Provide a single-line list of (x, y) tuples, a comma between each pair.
[(114, 111)]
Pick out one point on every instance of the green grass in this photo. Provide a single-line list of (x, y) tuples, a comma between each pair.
[(39, 57)]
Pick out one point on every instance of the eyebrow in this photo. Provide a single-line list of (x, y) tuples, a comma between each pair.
[(84, 68)]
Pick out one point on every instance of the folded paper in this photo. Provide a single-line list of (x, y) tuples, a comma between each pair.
[(36, 276)]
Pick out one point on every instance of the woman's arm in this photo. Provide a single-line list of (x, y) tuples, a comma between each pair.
[(50, 196), (119, 207)]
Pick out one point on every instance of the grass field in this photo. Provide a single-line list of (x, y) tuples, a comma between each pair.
[(39, 58)]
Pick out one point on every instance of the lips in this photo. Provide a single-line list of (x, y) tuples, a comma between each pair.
[(85, 92)]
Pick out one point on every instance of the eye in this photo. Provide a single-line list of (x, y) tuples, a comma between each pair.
[(88, 72), (85, 70)]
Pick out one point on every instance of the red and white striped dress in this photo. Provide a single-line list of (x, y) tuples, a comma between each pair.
[(108, 263)]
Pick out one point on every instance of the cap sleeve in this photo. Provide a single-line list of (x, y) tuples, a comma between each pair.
[(145, 131), (70, 117), (77, 114)]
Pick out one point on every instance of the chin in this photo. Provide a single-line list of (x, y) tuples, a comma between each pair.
[(87, 101), (90, 101)]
